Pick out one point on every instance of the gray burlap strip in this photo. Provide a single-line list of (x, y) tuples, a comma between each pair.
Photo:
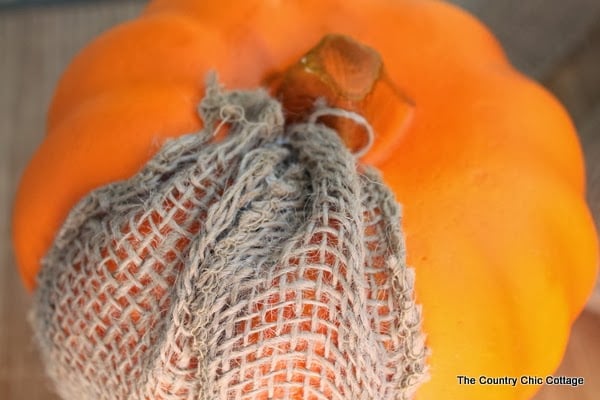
[(265, 265)]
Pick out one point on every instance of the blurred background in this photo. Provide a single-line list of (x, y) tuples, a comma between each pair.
[(555, 41)]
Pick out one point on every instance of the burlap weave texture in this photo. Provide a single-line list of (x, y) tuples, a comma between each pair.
[(265, 265)]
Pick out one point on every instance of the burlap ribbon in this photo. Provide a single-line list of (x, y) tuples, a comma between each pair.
[(266, 265)]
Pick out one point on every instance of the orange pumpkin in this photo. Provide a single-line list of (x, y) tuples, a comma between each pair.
[(486, 163)]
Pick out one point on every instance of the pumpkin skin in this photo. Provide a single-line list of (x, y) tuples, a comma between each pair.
[(488, 168)]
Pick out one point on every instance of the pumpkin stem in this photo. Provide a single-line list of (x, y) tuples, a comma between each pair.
[(350, 76)]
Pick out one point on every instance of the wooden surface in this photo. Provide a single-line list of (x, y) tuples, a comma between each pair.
[(558, 42)]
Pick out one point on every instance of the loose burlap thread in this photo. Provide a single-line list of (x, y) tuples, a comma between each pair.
[(268, 264)]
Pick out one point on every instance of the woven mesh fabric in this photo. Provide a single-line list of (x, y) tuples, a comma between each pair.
[(265, 265)]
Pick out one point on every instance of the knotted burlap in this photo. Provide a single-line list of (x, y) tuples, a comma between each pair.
[(265, 265)]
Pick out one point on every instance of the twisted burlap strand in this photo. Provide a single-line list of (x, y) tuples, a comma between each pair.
[(267, 265)]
